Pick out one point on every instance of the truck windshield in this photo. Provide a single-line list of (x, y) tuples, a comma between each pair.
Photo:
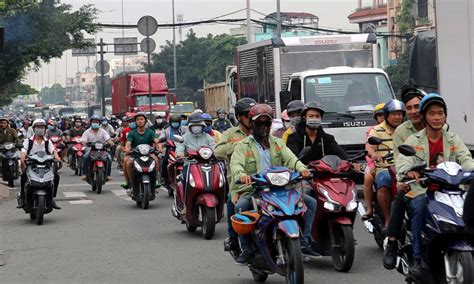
[(182, 108), (348, 92), (155, 100)]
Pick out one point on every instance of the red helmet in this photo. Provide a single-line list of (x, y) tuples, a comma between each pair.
[(261, 109), (284, 116)]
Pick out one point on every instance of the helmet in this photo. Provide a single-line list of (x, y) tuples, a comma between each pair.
[(284, 115), (429, 100), (95, 117), (244, 105), (39, 122), (393, 106), (409, 93), (245, 222), (206, 117), (312, 105), (196, 119), (221, 110), (124, 118), (140, 114), (4, 118), (378, 109), (175, 118), (261, 110), (198, 110), (293, 106), (113, 117)]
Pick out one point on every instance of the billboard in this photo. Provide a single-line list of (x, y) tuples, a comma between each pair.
[(126, 46), (86, 51)]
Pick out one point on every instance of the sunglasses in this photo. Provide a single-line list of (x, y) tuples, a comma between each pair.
[(263, 123)]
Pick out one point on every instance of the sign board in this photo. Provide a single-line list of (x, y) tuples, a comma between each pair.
[(98, 67), (126, 46), (147, 25), (148, 45), (86, 51)]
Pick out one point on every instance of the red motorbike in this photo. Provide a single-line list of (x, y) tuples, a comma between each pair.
[(78, 152), (200, 198), (336, 194), (174, 168), (58, 145)]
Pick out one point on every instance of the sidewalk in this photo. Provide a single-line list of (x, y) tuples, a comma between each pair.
[(6, 193)]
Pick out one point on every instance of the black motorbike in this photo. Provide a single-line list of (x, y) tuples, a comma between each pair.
[(144, 173), (9, 153)]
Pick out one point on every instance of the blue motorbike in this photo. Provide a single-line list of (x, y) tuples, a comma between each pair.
[(275, 225), (448, 245)]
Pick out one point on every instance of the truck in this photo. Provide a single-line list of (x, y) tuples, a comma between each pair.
[(334, 70), (130, 93), (221, 95), (455, 53)]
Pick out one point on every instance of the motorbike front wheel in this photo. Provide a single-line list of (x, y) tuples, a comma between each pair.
[(208, 222), (40, 208), (145, 195), (343, 248), (99, 180), (259, 277), (460, 267), (293, 261)]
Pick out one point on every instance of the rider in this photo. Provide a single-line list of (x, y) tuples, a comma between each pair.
[(369, 175), (285, 119), (7, 134), (26, 130), (92, 135), (75, 131), (394, 113), (53, 129), (174, 128), (113, 122), (160, 123), (38, 142), (293, 109), (221, 123), (255, 153), (310, 133), (107, 127), (224, 150), (434, 145), (216, 135), (137, 136)]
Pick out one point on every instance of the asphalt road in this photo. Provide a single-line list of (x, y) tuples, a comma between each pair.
[(106, 239)]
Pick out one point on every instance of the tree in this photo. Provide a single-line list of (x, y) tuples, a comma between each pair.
[(16, 89), (53, 95), (38, 33)]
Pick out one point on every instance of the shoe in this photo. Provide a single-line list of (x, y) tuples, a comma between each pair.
[(19, 199), (231, 244), (366, 217), (415, 269), (84, 177), (244, 258), (109, 178), (308, 251), (54, 205), (125, 185), (390, 255)]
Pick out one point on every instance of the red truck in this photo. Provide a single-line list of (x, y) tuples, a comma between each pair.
[(130, 93)]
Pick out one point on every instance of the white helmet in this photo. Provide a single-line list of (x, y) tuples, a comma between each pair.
[(198, 110), (39, 122)]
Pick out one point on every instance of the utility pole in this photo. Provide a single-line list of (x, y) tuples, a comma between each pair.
[(249, 31), (102, 78), (175, 73), (180, 20), (278, 19), (123, 35)]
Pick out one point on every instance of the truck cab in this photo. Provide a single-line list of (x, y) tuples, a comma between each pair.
[(348, 96)]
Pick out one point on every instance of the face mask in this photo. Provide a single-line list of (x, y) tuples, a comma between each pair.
[(132, 125), (78, 124), (221, 116), (51, 127), (313, 123), (261, 130), (104, 122), (295, 120), (287, 124), (208, 129), (175, 124), (196, 129), (40, 131), (184, 122), (95, 125), (159, 121)]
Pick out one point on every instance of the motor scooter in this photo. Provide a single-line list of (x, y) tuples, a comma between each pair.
[(276, 228), (200, 198), (9, 154), (96, 169), (144, 175), (175, 164), (59, 146), (78, 152)]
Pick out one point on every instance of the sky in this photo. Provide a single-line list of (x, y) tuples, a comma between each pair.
[(331, 13)]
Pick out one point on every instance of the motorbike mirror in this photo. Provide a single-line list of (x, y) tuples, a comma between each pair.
[(407, 150), (374, 140), (178, 138), (304, 152)]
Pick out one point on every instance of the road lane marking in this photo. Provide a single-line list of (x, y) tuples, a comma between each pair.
[(74, 194), (81, 202), (122, 193), (85, 184)]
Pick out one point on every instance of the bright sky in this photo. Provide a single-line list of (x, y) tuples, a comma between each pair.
[(331, 13)]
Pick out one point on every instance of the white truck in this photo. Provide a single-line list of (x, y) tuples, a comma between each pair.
[(455, 40)]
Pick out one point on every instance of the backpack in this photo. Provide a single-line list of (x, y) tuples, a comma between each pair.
[(30, 146)]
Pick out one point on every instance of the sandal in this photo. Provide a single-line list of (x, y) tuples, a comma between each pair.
[(366, 217)]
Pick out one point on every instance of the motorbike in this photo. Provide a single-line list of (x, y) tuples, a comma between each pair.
[(9, 152), (144, 180), (97, 167), (78, 152), (175, 165), (448, 244), (59, 146), (201, 192), (376, 224), (275, 234), (336, 193), (39, 186)]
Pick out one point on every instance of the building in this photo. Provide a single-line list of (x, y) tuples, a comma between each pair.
[(289, 18), (373, 19), (132, 64), (82, 87)]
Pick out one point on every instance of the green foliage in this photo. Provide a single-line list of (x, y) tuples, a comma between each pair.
[(38, 33), (14, 90), (399, 73), (405, 20), (198, 59), (53, 95)]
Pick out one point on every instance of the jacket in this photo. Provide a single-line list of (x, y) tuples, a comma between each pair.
[(454, 150), (193, 142), (324, 144), (401, 134), (229, 138), (10, 135), (221, 125), (245, 161)]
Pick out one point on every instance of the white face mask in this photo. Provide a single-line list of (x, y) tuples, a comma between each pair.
[(196, 129), (40, 131), (159, 120)]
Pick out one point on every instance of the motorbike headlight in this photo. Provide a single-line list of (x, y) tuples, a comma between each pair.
[(191, 181), (279, 179), (144, 149), (351, 206), (137, 166), (300, 204), (205, 153), (99, 146), (330, 206)]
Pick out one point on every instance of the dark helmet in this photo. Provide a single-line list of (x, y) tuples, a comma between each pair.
[(196, 119), (261, 110), (430, 99), (409, 93), (221, 110), (175, 118), (294, 106), (244, 105), (140, 114), (206, 117), (312, 105), (95, 117), (393, 106)]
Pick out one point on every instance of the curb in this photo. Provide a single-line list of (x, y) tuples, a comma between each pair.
[(6, 193)]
